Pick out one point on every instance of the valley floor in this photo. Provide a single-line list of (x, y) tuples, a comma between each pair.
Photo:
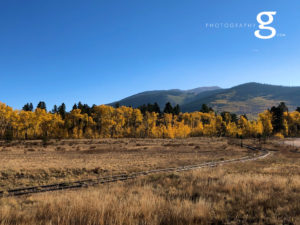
[(266, 191)]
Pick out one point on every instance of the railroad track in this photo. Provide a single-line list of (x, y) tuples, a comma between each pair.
[(123, 177)]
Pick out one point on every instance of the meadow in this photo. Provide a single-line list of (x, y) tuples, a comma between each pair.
[(265, 191)]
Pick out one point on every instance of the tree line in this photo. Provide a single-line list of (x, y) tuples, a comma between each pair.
[(146, 121)]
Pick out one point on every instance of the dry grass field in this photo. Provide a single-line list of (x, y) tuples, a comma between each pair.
[(266, 191), (30, 163)]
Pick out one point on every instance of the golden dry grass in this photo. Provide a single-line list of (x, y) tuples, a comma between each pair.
[(29, 163), (257, 192)]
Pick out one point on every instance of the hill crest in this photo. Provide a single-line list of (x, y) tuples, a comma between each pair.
[(248, 98)]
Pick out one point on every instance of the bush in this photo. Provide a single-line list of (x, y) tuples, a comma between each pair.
[(279, 136)]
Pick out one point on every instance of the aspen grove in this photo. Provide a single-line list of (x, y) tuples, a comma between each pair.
[(117, 122)]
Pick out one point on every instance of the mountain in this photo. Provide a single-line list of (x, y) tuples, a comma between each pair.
[(250, 98), (174, 96), (202, 89)]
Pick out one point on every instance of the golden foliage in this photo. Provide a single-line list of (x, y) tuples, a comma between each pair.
[(106, 121)]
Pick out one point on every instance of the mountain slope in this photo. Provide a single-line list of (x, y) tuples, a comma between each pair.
[(249, 98), (174, 96)]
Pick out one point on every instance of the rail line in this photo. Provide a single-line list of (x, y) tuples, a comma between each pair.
[(123, 177)]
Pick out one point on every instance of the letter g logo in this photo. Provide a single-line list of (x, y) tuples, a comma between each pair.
[(262, 26)]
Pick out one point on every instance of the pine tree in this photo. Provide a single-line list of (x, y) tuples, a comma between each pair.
[(42, 105), (55, 110), (206, 109), (156, 108), (143, 109), (80, 106), (168, 108), (277, 117), (176, 110), (28, 107), (75, 106), (62, 110)]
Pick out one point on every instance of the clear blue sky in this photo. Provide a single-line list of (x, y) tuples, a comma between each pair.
[(101, 51)]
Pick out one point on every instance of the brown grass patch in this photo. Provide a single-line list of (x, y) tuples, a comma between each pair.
[(258, 192)]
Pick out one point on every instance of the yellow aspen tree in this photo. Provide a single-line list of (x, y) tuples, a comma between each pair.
[(136, 123), (181, 130), (118, 122), (244, 127), (47, 123), (150, 121), (266, 120), (285, 124), (5, 118), (231, 130), (103, 118), (26, 124), (293, 120)]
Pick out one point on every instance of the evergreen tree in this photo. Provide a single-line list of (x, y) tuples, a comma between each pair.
[(156, 108), (75, 106), (230, 117), (168, 108), (62, 110), (55, 110), (176, 110), (298, 109), (92, 110), (28, 107), (277, 117), (234, 118), (206, 109), (42, 105), (150, 108), (86, 109), (143, 109), (80, 106)]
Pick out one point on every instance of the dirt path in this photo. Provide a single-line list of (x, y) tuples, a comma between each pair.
[(293, 142)]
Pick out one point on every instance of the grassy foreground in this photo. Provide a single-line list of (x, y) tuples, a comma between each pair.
[(29, 163), (259, 192)]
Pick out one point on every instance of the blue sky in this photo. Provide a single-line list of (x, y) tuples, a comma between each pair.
[(102, 51)]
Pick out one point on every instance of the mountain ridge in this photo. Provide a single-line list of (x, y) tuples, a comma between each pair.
[(248, 98), (174, 96)]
